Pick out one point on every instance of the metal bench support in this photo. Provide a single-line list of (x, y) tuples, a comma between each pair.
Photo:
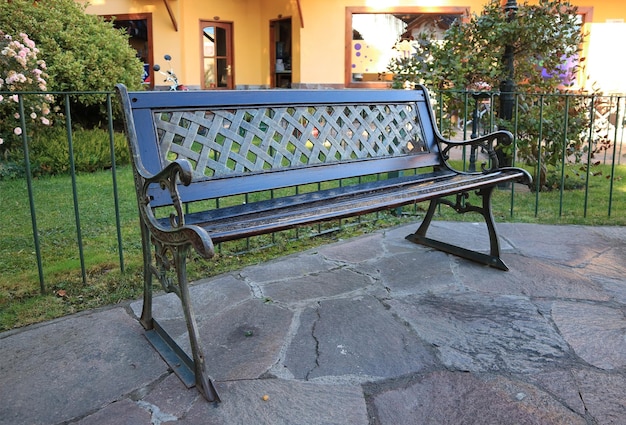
[(462, 206)]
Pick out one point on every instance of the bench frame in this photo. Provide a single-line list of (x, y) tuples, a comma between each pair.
[(163, 180)]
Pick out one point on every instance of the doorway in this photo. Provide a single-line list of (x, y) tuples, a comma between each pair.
[(139, 29), (280, 53), (217, 56)]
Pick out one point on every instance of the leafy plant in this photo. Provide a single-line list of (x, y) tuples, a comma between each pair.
[(20, 70), (83, 52), (91, 150), (530, 50)]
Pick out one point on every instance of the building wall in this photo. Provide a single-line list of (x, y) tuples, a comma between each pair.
[(319, 37)]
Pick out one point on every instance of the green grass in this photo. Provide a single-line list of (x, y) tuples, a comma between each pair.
[(22, 303)]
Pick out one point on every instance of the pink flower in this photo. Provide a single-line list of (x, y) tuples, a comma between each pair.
[(17, 131), (45, 121)]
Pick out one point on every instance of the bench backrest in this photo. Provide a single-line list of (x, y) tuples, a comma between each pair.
[(272, 138)]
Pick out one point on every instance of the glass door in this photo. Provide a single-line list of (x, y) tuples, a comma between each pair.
[(217, 63)]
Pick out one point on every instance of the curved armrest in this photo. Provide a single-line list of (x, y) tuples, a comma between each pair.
[(485, 142), (179, 233)]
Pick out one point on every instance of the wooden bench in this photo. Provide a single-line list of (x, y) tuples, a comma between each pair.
[(188, 147)]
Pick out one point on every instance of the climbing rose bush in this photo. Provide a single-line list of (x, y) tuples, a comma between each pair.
[(21, 70)]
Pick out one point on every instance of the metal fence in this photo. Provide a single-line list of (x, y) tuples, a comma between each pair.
[(557, 133)]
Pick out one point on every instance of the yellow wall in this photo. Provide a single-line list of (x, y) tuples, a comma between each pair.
[(318, 41)]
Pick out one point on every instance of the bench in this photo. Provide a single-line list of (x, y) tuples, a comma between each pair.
[(382, 146)]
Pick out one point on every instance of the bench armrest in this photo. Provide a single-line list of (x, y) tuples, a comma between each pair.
[(485, 142), (178, 171)]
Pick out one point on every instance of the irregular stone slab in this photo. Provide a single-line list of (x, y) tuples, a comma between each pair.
[(208, 296), (241, 335), (596, 333), (571, 245), (289, 402), (453, 398), (418, 272), (63, 369), (563, 385), (603, 395), (615, 233), (123, 412), (532, 277), (172, 398), (244, 341), (474, 332), (609, 267), (354, 339), (289, 267), (614, 287), (323, 285), (394, 241), (355, 250)]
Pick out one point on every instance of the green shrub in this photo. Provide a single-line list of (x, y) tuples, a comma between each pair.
[(474, 55), (49, 152), (82, 52)]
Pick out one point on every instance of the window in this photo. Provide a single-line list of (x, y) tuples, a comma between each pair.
[(217, 70), (374, 37)]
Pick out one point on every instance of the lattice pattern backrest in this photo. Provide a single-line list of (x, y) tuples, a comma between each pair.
[(223, 142)]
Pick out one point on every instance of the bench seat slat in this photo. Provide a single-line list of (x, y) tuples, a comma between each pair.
[(283, 213)]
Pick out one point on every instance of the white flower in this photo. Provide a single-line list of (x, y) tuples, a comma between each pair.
[(17, 131)]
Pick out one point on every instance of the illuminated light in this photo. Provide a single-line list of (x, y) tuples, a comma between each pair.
[(386, 4)]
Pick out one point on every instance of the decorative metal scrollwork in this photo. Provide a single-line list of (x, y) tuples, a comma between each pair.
[(164, 257)]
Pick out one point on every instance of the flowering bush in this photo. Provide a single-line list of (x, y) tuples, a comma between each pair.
[(20, 70)]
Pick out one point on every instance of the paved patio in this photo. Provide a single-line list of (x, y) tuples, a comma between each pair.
[(372, 330)]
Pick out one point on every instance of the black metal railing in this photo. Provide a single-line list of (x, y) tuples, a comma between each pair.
[(586, 133)]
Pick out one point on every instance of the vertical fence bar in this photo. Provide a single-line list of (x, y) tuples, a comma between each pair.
[(592, 120), (465, 108), (612, 177), (539, 162), (440, 107), (622, 121), (563, 155), (70, 144), (514, 153), (31, 196), (116, 198)]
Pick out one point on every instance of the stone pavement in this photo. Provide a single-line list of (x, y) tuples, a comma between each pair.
[(372, 330)]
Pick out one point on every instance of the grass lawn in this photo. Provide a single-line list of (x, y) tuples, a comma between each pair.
[(21, 300)]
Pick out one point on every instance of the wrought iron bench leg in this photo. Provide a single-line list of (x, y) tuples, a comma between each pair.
[(493, 258), (146, 310), (191, 372), (203, 382)]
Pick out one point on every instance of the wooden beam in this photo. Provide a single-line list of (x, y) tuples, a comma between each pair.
[(171, 13), (300, 14)]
